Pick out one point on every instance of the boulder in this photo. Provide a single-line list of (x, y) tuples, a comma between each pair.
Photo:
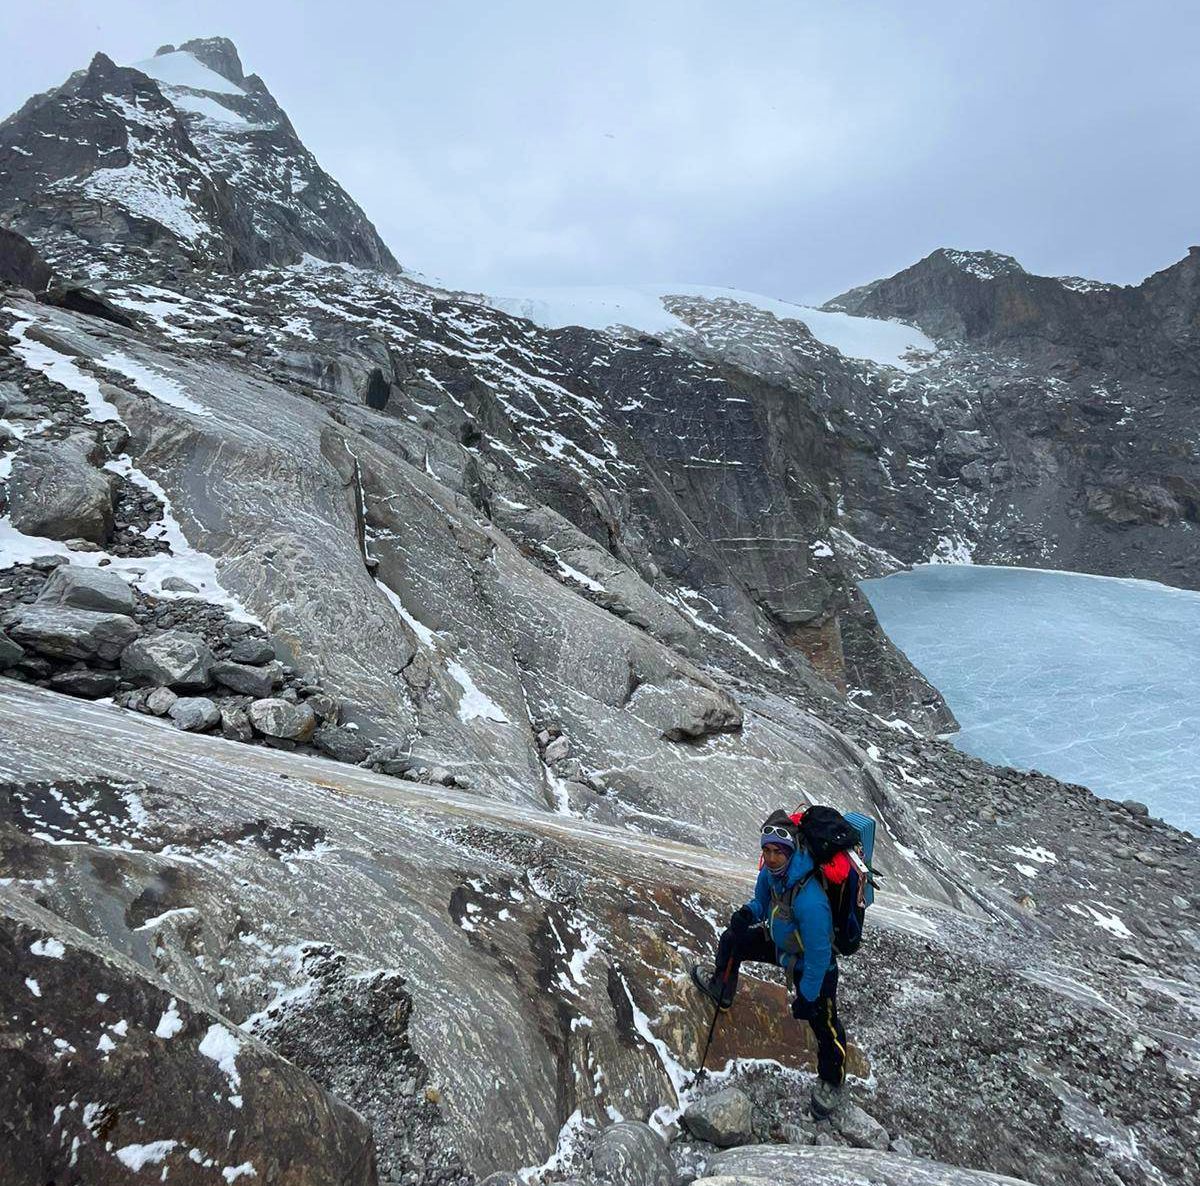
[(558, 749), (10, 652), (345, 745), (178, 585), (277, 718), (65, 633), (88, 588), (325, 706), (159, 701), (81, 299), (55, 492), (194, 713), (723, 1118), (860, 1128), (251, 650), (250, 681), (235, 723), (631, 1153), (88, 685), (174, 659), (682, 710)]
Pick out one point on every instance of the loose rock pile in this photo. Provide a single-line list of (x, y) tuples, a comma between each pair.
[(87, 632)]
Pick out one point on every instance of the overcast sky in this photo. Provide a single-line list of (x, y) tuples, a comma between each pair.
[(789, 148)]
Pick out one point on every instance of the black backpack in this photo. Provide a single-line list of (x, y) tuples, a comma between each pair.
[(825, 833)]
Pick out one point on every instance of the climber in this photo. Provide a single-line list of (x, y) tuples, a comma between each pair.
[(788, 922)]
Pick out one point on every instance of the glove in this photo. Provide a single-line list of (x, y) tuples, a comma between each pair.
[(805, 1010), (742, 919)]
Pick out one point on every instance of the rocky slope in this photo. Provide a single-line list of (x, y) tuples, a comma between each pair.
[(570, 611)]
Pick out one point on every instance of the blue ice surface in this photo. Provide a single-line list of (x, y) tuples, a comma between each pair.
[(1095, 680)]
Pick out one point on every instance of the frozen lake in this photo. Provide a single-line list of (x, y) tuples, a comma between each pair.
[(1095, 680)]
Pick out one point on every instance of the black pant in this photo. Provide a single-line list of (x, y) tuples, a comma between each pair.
[(755, 944)]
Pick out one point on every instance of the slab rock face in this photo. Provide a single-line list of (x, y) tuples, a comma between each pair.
[(116, 1079), (55, 492), (817, 1165), (174, 659)]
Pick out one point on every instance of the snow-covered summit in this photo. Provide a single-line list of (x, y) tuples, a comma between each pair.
[(650, 308)]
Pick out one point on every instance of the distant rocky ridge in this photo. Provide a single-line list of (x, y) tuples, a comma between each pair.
[(1056, 427), (586, 602)]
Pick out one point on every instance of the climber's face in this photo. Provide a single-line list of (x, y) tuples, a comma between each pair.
[(775, 856)]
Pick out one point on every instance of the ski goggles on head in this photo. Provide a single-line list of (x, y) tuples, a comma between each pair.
[(776, 834)]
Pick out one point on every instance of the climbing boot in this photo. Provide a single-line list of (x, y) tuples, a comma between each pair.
[(716, 990), (826, 1099)]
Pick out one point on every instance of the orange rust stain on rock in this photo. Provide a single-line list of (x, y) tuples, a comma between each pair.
[(760, 1024)]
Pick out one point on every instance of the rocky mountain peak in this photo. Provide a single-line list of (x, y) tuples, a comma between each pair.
[(982, 265), (172, 163), (218, 54)]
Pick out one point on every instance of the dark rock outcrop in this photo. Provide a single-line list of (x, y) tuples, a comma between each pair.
[(109, 1076), (20, 264)]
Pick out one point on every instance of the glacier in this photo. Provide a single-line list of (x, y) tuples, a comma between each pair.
[(1091, 679), (643, 307)]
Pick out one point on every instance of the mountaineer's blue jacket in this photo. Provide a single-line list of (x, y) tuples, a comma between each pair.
[(804, 942)]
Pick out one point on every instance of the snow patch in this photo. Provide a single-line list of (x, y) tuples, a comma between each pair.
[(152, 382), (474, 703), (222, 1046), (185, 69), (170, 1023), (61, 369), (581, 578), (33, 986), (1110, 922), (146, 194), (48, 948), (135, 1157), (423, 633), (207, 108)]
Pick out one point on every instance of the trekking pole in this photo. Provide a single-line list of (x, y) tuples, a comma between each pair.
[(713, 1026)]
